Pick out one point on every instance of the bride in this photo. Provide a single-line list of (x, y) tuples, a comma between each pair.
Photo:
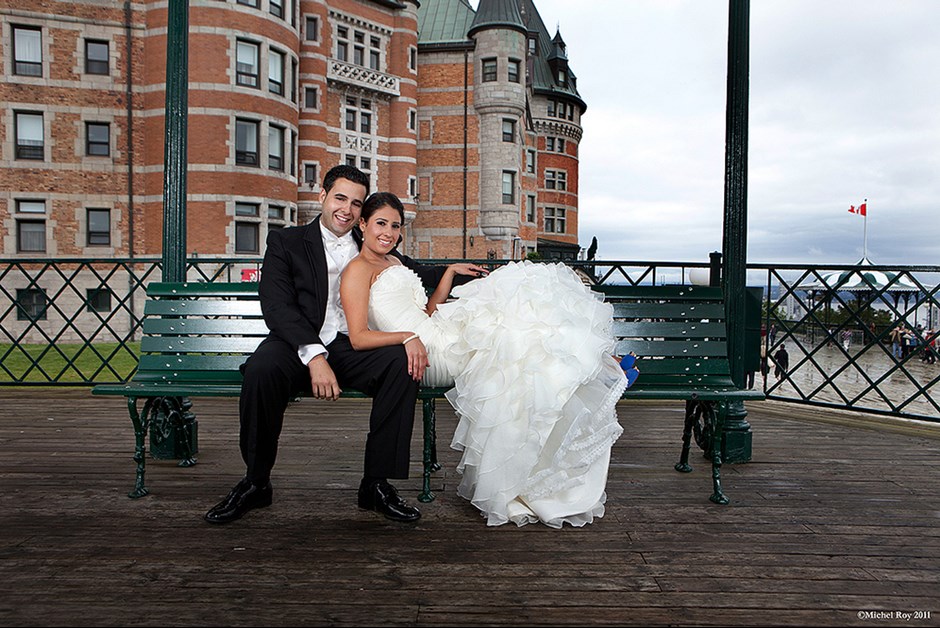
[(527, 349)]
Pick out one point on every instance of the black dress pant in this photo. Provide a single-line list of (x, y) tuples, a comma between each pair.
[(274, 374)]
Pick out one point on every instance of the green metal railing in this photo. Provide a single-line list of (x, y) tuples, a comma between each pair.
[(59, 331)]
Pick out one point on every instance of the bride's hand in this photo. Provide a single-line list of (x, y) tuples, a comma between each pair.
[(417, 358), (471, 270)]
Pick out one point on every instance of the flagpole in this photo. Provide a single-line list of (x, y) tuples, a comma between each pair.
[(865, 231)]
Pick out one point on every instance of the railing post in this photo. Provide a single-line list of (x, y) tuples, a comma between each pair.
[(736, 444)]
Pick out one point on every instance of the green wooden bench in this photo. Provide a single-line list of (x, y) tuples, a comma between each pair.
[(196, 335), (680, 334)]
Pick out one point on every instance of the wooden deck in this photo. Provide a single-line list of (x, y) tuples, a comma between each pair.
[(835, 522)]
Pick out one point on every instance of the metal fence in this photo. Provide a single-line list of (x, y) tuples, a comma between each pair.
[(76, 322)]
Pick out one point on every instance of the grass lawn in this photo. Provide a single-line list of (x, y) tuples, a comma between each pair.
[(105, 362)]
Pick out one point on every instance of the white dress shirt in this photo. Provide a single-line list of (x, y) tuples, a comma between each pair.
[(339, 252)]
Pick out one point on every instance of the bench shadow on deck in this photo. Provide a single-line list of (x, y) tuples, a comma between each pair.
[(831, 523)]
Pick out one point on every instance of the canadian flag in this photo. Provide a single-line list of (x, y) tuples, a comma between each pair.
[(861, 210)]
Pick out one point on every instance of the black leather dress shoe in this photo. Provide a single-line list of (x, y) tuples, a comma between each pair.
[(382, 497), (244, 497)]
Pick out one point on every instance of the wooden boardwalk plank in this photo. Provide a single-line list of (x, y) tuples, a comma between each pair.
[(831, 519)]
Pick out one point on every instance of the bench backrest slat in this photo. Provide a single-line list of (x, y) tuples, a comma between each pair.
[(171, 326), (199, 344), (203, 307)]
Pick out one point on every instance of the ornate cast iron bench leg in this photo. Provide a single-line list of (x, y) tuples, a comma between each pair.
[(718, 419), (140, 452), (691, 418), (430, 449)]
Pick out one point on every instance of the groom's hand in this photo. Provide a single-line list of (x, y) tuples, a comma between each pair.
[(417, 358), (322, 379)]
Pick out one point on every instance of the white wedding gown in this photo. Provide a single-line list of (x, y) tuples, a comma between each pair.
[(528, 352)]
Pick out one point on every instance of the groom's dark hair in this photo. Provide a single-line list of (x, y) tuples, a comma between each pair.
[(379, 200), (344, 171)]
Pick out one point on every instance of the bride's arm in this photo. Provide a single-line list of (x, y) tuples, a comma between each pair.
[(447, 283), (354, 293)]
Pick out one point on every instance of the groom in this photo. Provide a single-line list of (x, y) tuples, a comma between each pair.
[(307, 350)]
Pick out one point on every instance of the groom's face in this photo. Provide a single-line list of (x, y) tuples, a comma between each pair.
[(342, 205)]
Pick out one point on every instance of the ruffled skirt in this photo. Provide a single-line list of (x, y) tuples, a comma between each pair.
[(535, 388)]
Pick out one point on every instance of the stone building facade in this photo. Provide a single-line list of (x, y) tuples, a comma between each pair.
[(472, 117)]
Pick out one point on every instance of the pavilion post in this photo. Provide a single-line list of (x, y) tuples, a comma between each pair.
[(174, 157), (736, 444), (173, 434)]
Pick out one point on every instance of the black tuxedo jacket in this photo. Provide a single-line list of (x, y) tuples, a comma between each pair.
[(294, 286)]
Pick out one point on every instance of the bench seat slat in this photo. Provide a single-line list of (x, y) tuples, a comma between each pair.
[(160, 363)]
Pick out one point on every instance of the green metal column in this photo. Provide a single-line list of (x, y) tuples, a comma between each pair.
[(174, 157), (174, 431), (737, 436)]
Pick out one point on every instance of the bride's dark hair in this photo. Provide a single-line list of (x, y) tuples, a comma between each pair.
[(377, 201)]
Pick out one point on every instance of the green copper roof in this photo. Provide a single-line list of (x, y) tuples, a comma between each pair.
[(444, 21), (497, 14), (453, 21)]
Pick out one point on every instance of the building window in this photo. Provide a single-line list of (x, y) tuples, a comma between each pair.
[(311, 28), (293, 80), (562, 77), (509, 187), (31, 236), (533, 42), (27, 51), (342, 43), (246, 63), (413, 188), (276, 7), (530, 208), (365, 164), (555, 144), (560, 144), (31, 304), (310, 174), (97, 139), (246, 142), (351, 160), (275, 148), (249, 3), (29, 136), (555, 219), (530, 161), (99, 227), (358, 114), (275, 212), (98, 299), (246, 233), (311, 95), (556, 180), (96, 57), (489, 70), (375, 53), (246, 209), (359, 48), (276, 72), (293, 153), (413, 59), (509, 130), (412, 120), (513, 71)]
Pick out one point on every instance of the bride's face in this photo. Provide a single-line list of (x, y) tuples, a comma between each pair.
[(381, 231)]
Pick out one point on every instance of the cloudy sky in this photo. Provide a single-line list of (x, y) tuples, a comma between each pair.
[(844, 106)]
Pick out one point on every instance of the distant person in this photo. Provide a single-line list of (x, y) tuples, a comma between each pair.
[(846, 339), (781, 362), (897, 339), (773, 333)]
